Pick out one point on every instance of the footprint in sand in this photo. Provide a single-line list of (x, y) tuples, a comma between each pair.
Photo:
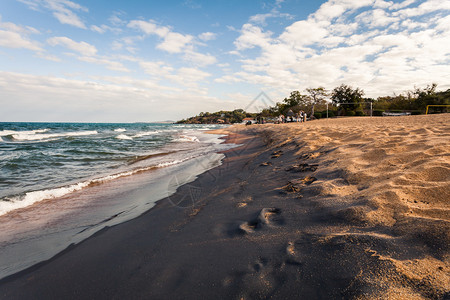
[(266, 216), (293, 255), (302, 168), (244, 202)]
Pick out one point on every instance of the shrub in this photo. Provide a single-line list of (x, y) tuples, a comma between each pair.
[(378, 112), (317, 115), (350, 113), (359, 113)]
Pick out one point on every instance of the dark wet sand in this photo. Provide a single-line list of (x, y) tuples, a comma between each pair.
[(260, 226)]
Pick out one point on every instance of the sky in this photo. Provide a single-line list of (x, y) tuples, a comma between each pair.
[(144, 61)]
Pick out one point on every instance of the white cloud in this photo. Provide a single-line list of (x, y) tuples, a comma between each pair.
[(200, 59), (274, 13), (18, 28), (149, 27), (98, 29), (115, 19), (207, 36), (175, 42), (11, 39), (188, 76), (110, 64), (381, 49), (400, 5), (375, 18), (156, 69), (63, 10), (252, 36), (303, 33), (104, 28), (102, 99), (80, 47), (16, 36), (88, 53), (424, 8)]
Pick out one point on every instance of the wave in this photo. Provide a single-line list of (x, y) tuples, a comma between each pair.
[(148, 156), (24, 136), (11, 132), (186, 138), (120, 130), (9, 204), (123, 137), (32, 197), (145, 133)]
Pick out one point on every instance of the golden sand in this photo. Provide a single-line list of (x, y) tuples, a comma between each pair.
[(386, 178)]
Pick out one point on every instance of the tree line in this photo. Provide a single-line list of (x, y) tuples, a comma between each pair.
[(220, 117), (345, 101), (349, 101)]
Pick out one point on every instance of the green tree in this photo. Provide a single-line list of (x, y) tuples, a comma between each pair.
[(426, 96), (317, 96), (345, 94)]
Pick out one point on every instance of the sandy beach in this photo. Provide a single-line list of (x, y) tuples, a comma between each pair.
[(353, 208)]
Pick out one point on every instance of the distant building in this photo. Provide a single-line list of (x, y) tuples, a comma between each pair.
[(246, 120)]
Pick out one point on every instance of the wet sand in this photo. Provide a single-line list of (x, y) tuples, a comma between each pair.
[(354, 208)]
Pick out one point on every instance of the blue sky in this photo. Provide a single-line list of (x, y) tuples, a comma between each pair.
[(130, 61)]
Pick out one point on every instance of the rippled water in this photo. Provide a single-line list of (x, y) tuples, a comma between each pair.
[(47, 160)]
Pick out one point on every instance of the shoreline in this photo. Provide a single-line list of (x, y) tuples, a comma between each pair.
[(319, 211), (36, 233)]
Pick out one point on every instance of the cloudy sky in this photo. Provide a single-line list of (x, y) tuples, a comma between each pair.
[(137, 60)]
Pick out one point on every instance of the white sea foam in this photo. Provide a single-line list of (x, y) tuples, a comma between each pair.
[(145, 133), (23, 136), (12, 203), (36, 196), (186, 138), (171, 163), (29, 132), (120, 130), (123, 137)]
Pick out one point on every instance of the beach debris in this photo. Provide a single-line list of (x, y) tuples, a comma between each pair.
[(310, 155), (289, 188), (308, 180), (277, 153), (304, 181), (302, 168)]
